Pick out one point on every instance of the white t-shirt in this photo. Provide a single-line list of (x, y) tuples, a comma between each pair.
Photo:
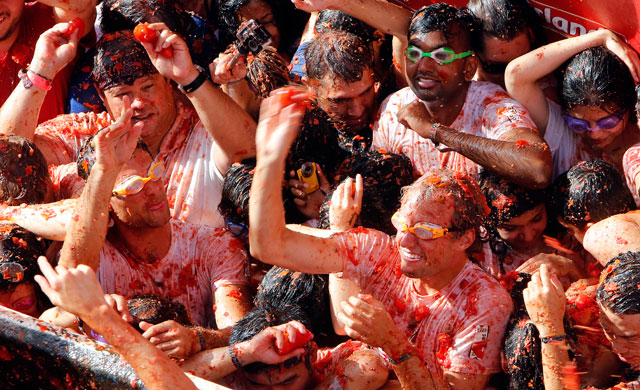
[(200, 260), (459, 329), (192, 180), (488, 112), (566, 146)]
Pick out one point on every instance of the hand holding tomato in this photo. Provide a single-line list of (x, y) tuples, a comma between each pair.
[(145, 34)]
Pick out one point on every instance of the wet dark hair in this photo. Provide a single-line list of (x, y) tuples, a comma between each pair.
[(87, 156), (504, 19), (288, 19), (384, 175), (19, 248), (590, 192), (267, 72), (126, 14), (506, 201), (332, 20), (338, 54), (23, 171), (522, 346), (234, 204), (283, 288), (120, 59), (155, 309), (259, 319), (618, 289), (597, 78), (442, 17)]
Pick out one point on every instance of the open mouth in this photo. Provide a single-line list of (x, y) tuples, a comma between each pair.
[(410, 257), (3, 17), (426, 82), (141, 118)]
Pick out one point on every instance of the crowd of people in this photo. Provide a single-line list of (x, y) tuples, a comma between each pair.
[(288, 195)]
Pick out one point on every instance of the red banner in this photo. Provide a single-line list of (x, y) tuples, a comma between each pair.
[(565, 18)]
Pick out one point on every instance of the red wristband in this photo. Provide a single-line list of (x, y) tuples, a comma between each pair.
[(40, 81)]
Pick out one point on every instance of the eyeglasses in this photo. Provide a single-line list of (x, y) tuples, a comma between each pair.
[(442, 55), (237, 229), (134, 184), (12, 271), (581, 125), (422, 230), (492, 67)]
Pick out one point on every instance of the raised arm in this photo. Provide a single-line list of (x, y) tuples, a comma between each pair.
[(76, 290), (522, 74), (545, 301), (520, 156), (54, 50), (382, 15), (231, 127), (88, 227), (271, 241)]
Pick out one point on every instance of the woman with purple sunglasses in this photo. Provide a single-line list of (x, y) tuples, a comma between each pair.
[(595, 117)]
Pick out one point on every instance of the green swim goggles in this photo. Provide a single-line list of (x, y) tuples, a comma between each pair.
[(442, 55)]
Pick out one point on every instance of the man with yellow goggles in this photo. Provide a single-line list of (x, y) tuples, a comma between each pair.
[(134, 184)]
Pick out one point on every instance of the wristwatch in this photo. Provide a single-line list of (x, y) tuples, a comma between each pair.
[(195, 84)]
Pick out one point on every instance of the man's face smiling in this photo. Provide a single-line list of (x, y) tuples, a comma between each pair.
[(152, 103), (431, 81), (10, 15), (421, 257)]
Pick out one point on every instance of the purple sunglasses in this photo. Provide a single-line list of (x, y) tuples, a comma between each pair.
[(581, 125)]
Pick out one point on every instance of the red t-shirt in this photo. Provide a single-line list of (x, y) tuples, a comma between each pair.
[(36, 19)]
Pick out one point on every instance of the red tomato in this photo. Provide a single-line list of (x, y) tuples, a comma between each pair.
[(143, 33), (301, 339), (75, 24), (166, 52)]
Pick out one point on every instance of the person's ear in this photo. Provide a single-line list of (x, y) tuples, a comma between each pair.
[(467, 239), (470, 67)]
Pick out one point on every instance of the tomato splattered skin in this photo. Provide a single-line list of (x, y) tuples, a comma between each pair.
[(145, 34)]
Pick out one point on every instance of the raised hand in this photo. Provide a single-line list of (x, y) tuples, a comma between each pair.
[(115, 144), (545, 301), (75, 290), (177, 67), (55, 48), (346, 204), (624, 52), (416, 117), (280, 118), (222, 73)]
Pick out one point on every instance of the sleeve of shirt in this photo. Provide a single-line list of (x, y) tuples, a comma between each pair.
[(631, 166), (503, 115), (561, 140), (387, 124), (363, 253), (476, 347), (225, 257), (65, 181)]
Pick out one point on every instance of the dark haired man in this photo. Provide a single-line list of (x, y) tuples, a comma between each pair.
[(340, 73), (195, 145), (21, 24), (145, 251), (24, 177), (481, 126), (591, 191), (437, 316)]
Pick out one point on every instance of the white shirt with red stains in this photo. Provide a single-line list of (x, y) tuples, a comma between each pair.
[(631, 166), (459, 329), (200, 260), (191, 178), (488, 112), (567, 148)]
